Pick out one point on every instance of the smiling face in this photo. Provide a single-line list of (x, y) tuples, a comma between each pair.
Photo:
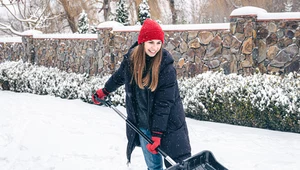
[(152, 47)]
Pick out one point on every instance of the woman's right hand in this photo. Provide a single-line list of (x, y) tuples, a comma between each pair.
[(101, 94)]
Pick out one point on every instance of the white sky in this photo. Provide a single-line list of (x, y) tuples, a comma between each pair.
[(49, 133)]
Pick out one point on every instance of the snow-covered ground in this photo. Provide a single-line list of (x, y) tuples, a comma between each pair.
[(50, 133)]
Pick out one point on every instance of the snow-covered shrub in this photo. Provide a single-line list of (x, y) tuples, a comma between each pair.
[(90, 86), (25, 77), (261, 100)]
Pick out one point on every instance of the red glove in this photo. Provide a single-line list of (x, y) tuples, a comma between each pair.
[(152, 147), (101, 93), (156, 137)]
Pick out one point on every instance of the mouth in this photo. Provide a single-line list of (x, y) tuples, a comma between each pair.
[(152, 52)]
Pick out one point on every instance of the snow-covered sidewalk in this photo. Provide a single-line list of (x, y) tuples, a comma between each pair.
[(50, 133)]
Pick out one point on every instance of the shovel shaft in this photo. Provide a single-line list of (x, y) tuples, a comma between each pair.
[(169, 159), (137, 130)]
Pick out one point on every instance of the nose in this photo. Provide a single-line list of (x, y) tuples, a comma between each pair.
[(156, 46)]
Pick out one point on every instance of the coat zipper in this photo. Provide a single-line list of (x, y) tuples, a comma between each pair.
[(148, 109)]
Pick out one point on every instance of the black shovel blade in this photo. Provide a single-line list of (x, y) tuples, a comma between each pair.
[(204, 160)]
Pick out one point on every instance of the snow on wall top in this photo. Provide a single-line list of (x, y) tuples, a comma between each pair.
[(11, 40), (65, 36), (247, 10), (110, 24), (263, 14), (50, 36), (31, 32), (279, 16), (179, 27)]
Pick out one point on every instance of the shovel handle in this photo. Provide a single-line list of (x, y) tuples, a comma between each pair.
[(137, 130)]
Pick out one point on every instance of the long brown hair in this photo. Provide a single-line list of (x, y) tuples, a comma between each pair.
[(138, 66)]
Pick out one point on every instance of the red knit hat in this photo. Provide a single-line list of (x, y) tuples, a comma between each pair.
[(150, 30)]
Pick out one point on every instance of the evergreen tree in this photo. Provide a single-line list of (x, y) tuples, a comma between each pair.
[(288, 6), (122, 13), (94, 30), (144, 12), (83, 23)]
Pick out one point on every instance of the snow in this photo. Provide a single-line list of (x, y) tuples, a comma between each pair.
[(40, 132), (31, 32), (179, 27), (110, 24), (211, 26), (11, 39), (263, 14), (247, 10), (279, 16), (65, 36)]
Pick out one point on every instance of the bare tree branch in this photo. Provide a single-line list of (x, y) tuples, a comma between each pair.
[(17, 18), (230, 2), (8, 27), (30, 14)]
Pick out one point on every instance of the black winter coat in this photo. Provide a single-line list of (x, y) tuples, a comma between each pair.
[(165, 107)]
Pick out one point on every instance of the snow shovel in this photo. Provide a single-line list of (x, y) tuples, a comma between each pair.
[(201, 161)]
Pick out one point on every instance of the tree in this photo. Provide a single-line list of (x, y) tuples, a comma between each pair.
[(288, 6), (25, 15), (93, 29), (122, 13), (83, 23), (144, 12), (93, 8)]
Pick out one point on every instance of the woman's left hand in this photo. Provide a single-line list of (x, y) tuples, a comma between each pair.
[(152, 147)]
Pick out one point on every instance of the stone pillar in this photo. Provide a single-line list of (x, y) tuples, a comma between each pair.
[(104, 59), (244, 45), (29, 49)]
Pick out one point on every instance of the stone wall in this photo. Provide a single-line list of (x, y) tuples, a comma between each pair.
[(194, 51), (11, 50), (248, 43), (269, 42), (277, 46)]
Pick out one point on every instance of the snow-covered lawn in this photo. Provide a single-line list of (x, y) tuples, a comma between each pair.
[(49, 133)]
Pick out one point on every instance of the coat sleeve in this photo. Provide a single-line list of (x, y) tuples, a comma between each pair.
[(164, 99), (117, 79)]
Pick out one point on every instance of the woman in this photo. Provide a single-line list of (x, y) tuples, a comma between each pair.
[(153, 103)]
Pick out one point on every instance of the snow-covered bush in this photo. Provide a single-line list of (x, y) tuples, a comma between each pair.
[(260, 100), (92, 84), (25, 77)]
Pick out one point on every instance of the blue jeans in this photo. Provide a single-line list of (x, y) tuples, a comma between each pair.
[(153, 161)]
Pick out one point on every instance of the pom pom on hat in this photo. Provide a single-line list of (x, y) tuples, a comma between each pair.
[(150, 30)]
